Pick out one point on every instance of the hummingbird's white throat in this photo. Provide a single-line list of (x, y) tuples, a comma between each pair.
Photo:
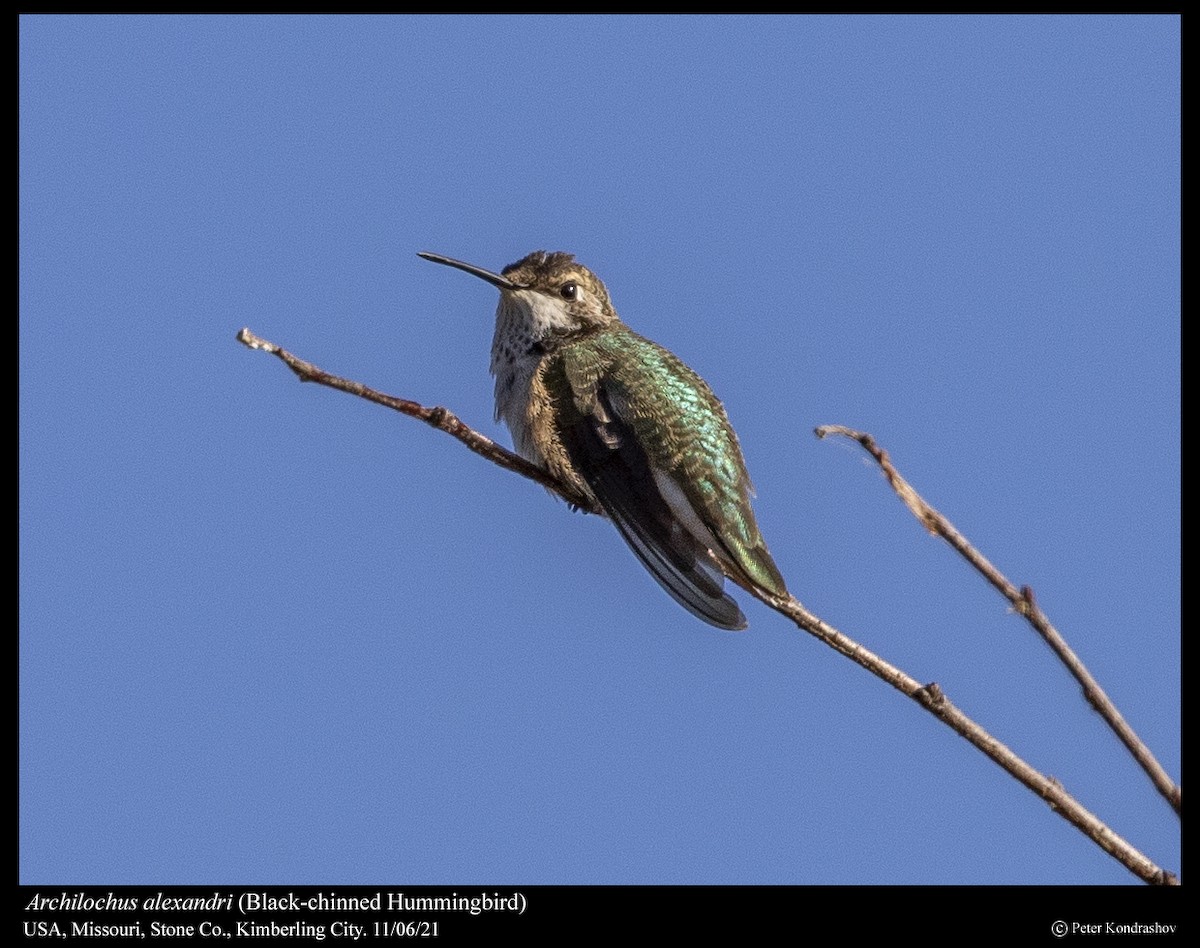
[(542, 313)]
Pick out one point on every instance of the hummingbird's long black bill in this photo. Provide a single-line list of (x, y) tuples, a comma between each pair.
[(495, 279)]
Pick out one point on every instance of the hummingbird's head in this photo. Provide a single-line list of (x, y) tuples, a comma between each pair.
[(549, 293), (568, 293)]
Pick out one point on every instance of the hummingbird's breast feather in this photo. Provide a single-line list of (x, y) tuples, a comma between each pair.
[(516, 354), (528, 325), (514, 385)]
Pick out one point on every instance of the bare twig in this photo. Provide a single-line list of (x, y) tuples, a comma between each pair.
[(933, 699), (928, 696), (441, 418), (1023, 601)]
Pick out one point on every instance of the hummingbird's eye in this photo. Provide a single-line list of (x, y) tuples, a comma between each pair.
[(569, 291)]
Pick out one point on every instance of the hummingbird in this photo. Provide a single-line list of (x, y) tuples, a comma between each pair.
[(625, 423)]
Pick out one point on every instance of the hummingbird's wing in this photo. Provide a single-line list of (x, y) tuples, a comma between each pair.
[(698, 464), (607, 450)]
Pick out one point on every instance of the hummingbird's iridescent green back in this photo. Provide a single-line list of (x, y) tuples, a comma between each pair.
[(656, 448)]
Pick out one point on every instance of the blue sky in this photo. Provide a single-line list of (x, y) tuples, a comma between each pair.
[(273, 634)]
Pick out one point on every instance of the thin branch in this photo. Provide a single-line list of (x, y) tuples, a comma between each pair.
[(441, 418), (1024, 602), (930, 696), (933, 699)]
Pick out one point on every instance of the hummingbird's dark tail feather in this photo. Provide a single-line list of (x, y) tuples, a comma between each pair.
[(690, 581)]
